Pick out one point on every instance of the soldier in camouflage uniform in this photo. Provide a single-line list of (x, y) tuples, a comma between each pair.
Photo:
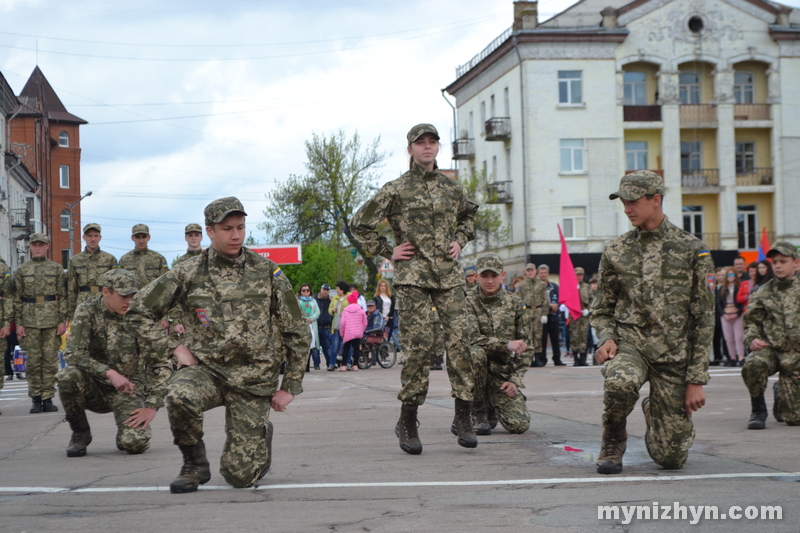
[(85, 269), (194, 237), (533, 292), (502, 350), (146, 264), (772, 332), (470, 278), (40, 312), (109, 369), (245, 322), (432, 219), (654, 315), (6, 305), (579, 329)]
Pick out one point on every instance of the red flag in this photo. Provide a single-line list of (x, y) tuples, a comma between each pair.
[(568, 292), (763, 246)]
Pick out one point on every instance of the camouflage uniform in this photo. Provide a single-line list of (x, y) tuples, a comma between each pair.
[(188, 255), (429, 210), (40, 305), (236, 309), (83, 276), (534, 293), (146, 264), (654, 301), (579, 329), (99, 342), (6, 301)]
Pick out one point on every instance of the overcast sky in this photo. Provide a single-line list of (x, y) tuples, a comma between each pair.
[(191, 100)]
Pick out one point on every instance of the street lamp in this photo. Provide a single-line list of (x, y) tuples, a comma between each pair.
[(72, 223)]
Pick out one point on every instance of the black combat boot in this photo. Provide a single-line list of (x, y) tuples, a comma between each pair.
[(48, 407), (615, 440), (81, 435), (195, 470), (268, 442), (758, 416), (775, 404), (491, 415), (583, 359), (406, 430), (480, 420), (462, 425), (36, 404)]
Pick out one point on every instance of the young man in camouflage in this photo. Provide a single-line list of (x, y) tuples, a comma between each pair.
[(579, 329), (109, 369), (193, 234), (772, 332), (470, 278), (86, 268), (6, 307), (501, 350), (654, 316), (533, 292), (146, 264), (237, 305), (40, 312)]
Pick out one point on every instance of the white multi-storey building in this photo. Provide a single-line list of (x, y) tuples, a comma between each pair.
[(703, 92)]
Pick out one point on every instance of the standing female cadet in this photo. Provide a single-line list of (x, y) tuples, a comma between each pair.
[(432, 219)]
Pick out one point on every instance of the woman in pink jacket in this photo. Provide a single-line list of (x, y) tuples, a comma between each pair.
[(352, 326)]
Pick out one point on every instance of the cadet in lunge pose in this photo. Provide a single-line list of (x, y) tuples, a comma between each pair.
[(432, 219), (86, 268), (654, 316), (236, 304), (579, 329), (501, 348), (772, 333), (40, 312), (146, 264), (533, 292), (110, 369)]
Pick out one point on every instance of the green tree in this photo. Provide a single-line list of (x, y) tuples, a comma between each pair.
[(323, 264), (490, 232)]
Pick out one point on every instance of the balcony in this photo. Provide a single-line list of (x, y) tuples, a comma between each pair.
[(749, 240), (464, 149), (751, 112), (701, 177), (641, 113), (499, 192), (754, 177), (712, 240), (698, 114), (498, 129), (20, 223)]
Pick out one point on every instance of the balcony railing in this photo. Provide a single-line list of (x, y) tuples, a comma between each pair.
[(641, 113), (701, 177), (754, 176), (751, 112), (499, 192), (749, 240), (711, 239), (464, 149), (498, 129), (698, 113)]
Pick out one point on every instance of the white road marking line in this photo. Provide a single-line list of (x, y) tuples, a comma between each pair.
[(389, 484)]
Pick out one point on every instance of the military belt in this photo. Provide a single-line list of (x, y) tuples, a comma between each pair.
[(89, 288), (40, 299)]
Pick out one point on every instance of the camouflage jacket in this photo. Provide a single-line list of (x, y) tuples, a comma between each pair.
[(188, 255), (773, 315), (657, 290), (534, 293), (6, 295), (242, 319), (428, 210), (40, 294), (99, 340), (146, 264), (496, 321), (585, 292), (83, 276)]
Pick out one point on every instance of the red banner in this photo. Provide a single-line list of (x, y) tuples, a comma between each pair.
[(568, 293), (283, 254)]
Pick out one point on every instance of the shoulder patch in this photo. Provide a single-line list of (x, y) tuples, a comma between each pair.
[(712, 282), (703, 253), (277, 272), (77, 333), (154, 294), (369, 211)]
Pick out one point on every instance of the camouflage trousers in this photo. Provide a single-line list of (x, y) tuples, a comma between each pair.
[(671, 431), (41, 345), (579, 334), (512, 413), (80, 392), (536, 330), (192, 391), (418, 308), (764, 363)]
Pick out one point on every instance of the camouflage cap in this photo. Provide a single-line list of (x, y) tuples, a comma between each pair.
[(637, 184), (579, 270), (419, 130), (90, 226), (469, 271), (39, 237), (489, 262), (140, 228), (121, 281), (782, 247), (217, 210), (530, 266), (193, 227)]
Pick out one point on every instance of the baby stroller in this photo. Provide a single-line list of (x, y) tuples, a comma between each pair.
[(376, 349)]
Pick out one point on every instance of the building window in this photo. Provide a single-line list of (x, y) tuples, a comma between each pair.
[(573, 221), (570, 87), (63, 173), (691, 155), (483, 115), (747, 222), (572, 155), (492, 112), (693, 220), (63, 139), (66, 220), (635, 155), (471, 126), (507, 102), (65, 256), (494, 168), (745, 157), (743, 87), (689, 87), (635, 88)]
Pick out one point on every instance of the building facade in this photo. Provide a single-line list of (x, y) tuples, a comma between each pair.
[(702, 93)]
